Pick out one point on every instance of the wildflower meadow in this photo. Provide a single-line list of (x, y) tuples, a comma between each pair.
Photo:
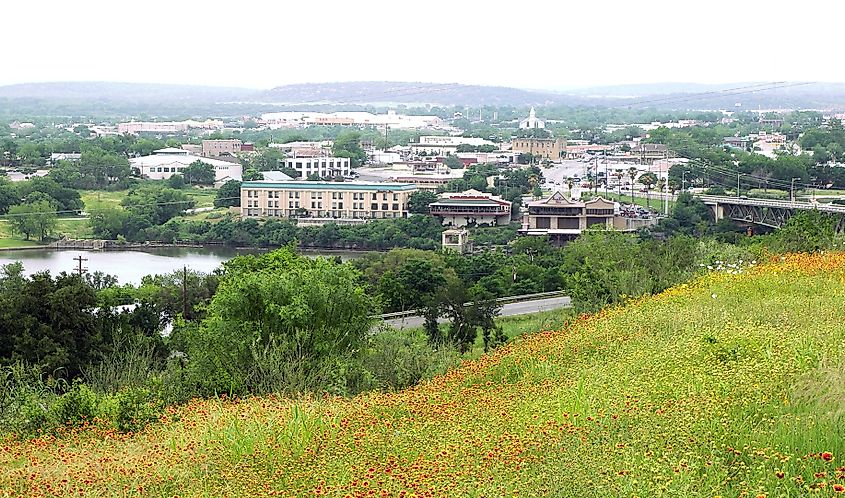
[(730, 385)]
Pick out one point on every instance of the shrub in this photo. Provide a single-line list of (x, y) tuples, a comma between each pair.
[(74, 407), (396, 359)]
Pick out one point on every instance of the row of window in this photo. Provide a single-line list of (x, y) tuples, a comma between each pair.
[(356, 196), (336, 213)]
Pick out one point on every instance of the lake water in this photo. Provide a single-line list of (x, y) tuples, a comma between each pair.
[(131, 265)]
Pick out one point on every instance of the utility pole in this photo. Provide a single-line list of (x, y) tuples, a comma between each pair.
[(184, 291), (79, 269), (737, 184), (596, 177)]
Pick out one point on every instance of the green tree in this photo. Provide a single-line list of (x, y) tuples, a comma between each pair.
[(155, 204), (807, 231), (348, 144), (229, 194), (33, 218), (109, 222), (648, 180), (280, 321), (453, 162), (199, 173), (8, 195), (632, 173), (419, 201)]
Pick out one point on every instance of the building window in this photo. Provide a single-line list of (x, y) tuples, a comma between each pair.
[(374, 206), (384, 206), (395, 207)]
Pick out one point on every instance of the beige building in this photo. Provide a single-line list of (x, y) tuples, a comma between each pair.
[(460, 209), (317, 203), (564, 219), (648, 153), (217, 148), (547, 148)]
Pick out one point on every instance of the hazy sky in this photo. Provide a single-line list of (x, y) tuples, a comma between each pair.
[(527, 44)]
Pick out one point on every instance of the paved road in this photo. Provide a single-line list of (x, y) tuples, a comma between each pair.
[(510, 309)]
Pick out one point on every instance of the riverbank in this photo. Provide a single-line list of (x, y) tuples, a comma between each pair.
[(113, 245), (131, 263)]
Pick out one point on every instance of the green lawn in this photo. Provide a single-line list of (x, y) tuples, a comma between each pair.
[(15, 242), (203, 196), (97, 199), (74, 228), (656, 203)]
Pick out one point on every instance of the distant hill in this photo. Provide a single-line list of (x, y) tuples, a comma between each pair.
[(106, 91), (387, 92), (749, 95), (135, 99)]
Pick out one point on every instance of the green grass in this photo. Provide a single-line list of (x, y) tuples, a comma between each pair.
[(204, 197), (731, 385), (655, 202), (74, 228), (13, 243), (99, 199)]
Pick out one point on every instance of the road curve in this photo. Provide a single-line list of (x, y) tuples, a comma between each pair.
[(510, 309)]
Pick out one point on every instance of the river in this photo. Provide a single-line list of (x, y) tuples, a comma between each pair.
[(131, 266)]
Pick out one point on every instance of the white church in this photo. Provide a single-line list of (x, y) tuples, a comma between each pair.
[(531, 122)]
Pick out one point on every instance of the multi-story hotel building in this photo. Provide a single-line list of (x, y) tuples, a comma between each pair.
[(323, 167), (316, 203), (471, 208)]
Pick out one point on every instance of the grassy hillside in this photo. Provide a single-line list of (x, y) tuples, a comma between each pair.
[(732, 385)]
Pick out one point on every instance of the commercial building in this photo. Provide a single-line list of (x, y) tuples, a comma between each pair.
[(392, 120), (444, 145), (317, 203), (136, 127), (324, 167), (471, 208), (648, 153), (55, 157), (547, 148), (564, 219), (217, 148), (164, 163), (304, 148), (425, 182)]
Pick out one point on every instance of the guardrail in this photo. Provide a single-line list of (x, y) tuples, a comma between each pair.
[(832, 208), (502, 300)]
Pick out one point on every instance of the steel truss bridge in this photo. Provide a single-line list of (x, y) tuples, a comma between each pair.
[(765, 212)]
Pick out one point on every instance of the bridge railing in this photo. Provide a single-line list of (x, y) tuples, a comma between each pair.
[(717, 199), (501, 300)]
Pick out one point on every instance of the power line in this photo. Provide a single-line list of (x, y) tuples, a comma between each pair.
[(726, 92), (76, 211)]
